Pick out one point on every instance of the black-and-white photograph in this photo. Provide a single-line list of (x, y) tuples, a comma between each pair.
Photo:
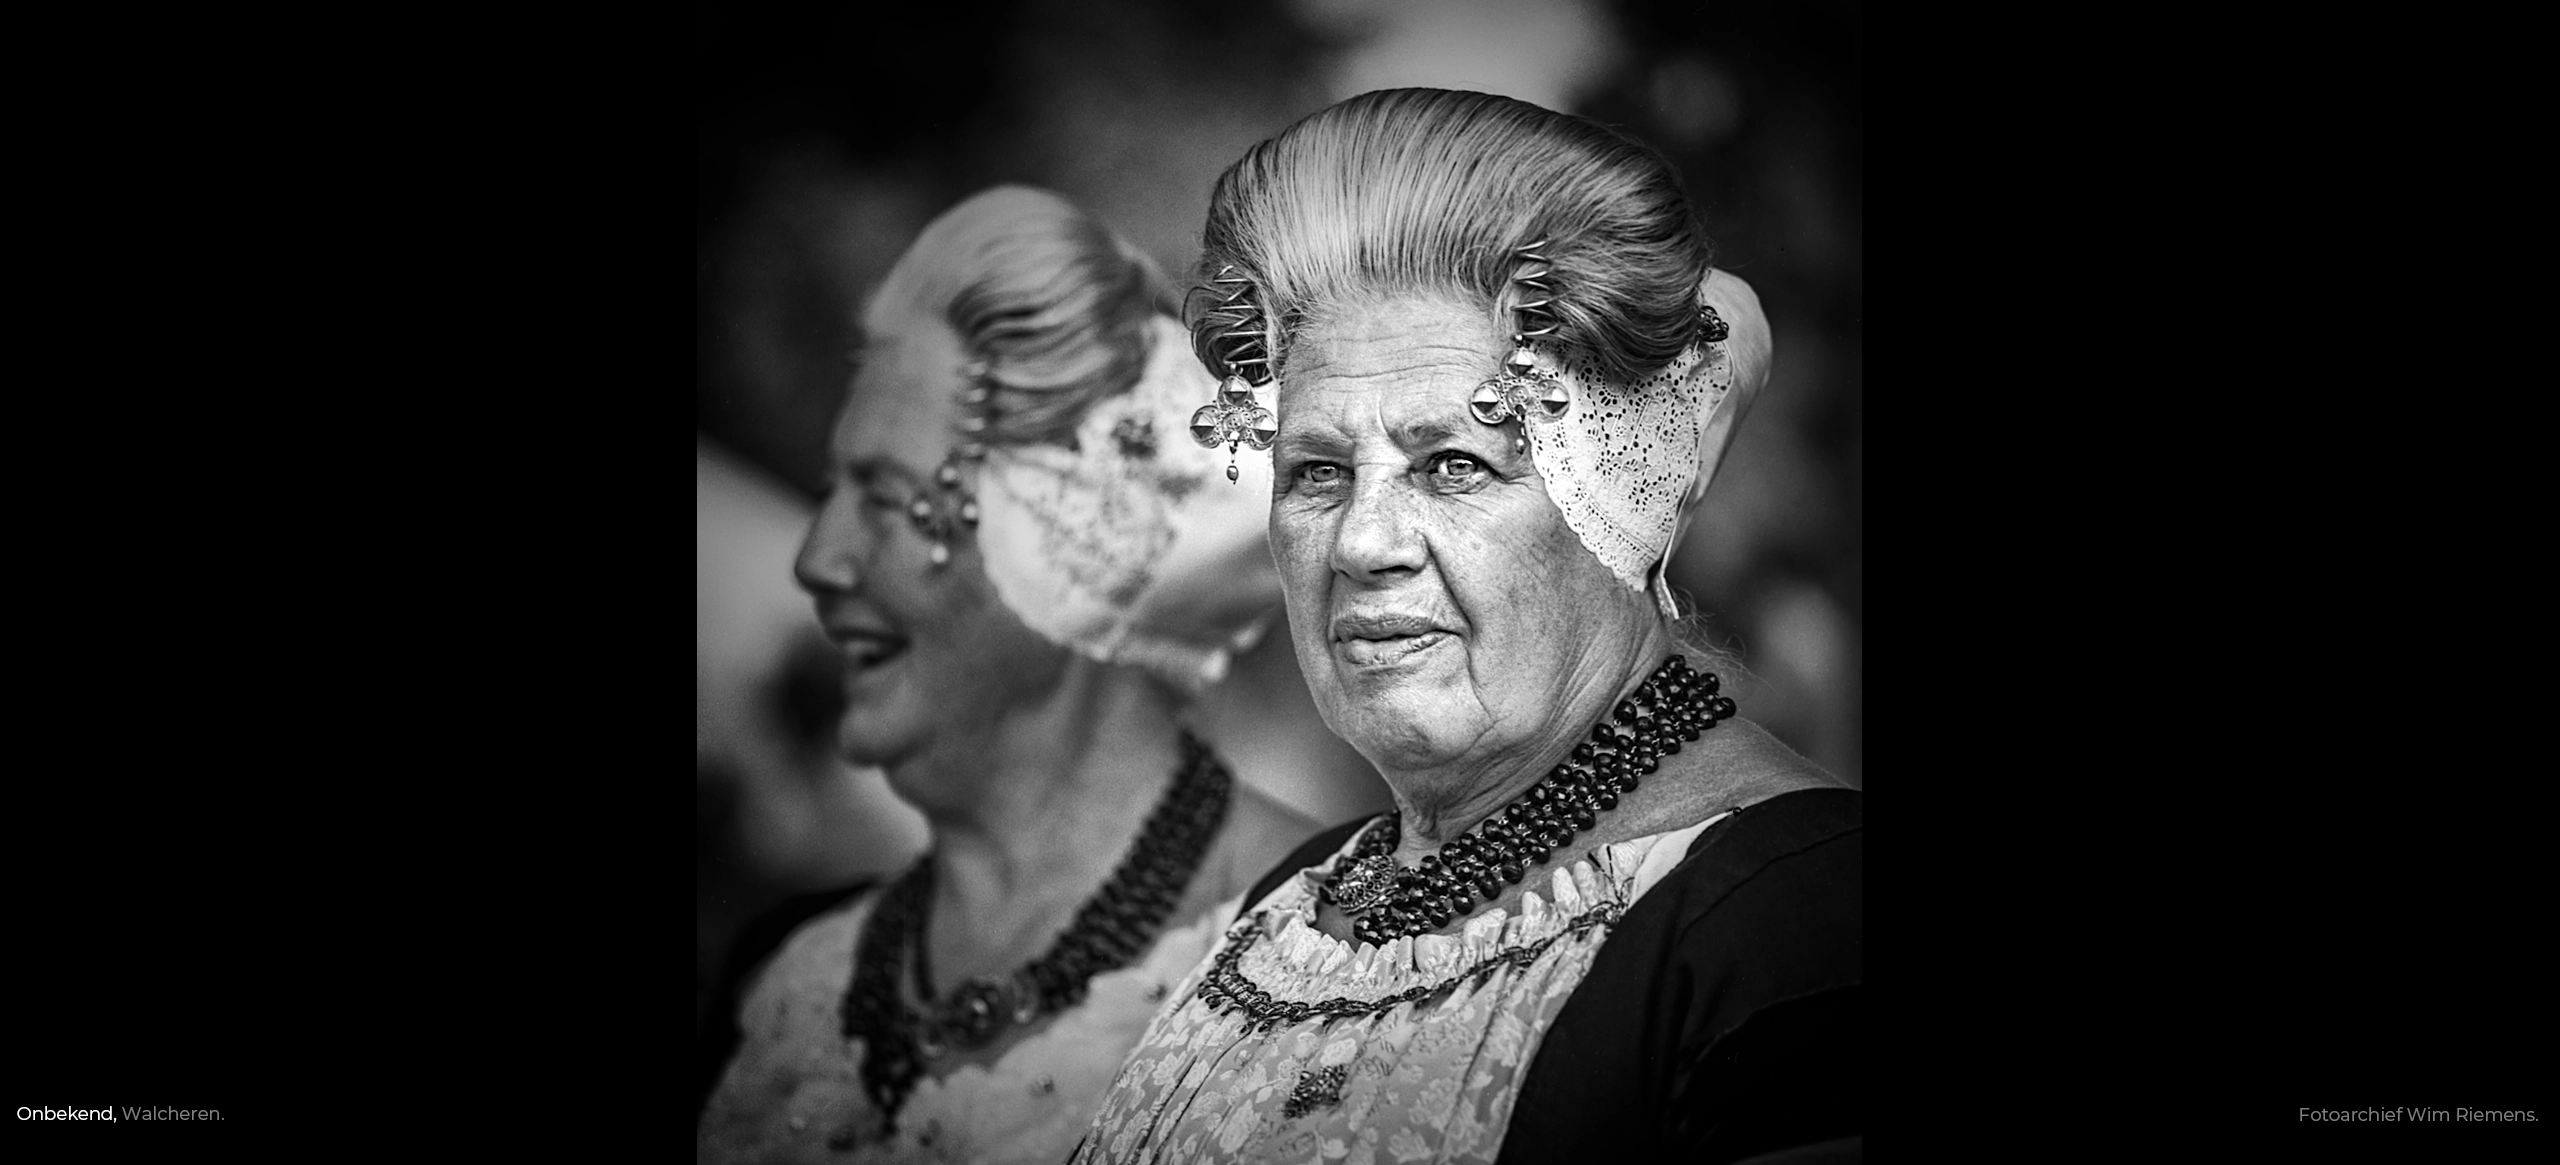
[(1279, 582)]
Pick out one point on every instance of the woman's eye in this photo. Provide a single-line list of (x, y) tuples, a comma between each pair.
[(1320, 473), (1454, 468)]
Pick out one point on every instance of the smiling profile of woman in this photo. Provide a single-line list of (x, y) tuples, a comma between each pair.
[(1030, 574)]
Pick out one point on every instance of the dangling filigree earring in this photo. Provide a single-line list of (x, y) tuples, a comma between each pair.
[(1521, 389), (1234, 417)]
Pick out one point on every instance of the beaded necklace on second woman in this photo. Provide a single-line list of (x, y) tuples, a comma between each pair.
[(1111, 930), (1386, 901)]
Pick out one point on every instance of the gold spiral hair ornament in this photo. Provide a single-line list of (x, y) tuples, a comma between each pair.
[(1233, 417), (1521, 389)]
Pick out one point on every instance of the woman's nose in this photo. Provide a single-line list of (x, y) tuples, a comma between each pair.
[(1377, 537), (830, 552)]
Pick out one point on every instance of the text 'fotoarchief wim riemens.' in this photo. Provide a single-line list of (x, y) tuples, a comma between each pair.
[(2416, 1114)]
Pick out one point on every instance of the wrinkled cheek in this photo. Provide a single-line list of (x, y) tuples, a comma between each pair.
[(1519, 595), (1290, 538), (1298, 551), (1484, 576)]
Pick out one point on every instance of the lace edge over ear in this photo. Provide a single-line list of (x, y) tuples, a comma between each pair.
[(1620, 461)]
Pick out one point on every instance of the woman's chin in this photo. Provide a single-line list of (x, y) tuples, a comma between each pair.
[(875, 737), (1410, 729)]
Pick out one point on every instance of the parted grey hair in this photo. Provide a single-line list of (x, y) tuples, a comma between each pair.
[(1436, 191)]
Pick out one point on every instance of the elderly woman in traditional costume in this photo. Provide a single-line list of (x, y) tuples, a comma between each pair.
[(1609, 919), (1030, 568)]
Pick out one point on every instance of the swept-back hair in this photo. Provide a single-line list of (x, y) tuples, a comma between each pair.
[(1054, 303), (1436, 191)]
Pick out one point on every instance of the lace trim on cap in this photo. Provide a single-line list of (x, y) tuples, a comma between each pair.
[(1620, 462), (1079, 543)]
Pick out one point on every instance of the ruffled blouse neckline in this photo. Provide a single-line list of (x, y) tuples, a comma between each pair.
[(1296, 962), (1302, 1046)]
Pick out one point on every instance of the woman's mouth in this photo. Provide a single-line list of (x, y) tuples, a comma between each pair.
[(1367, 651), (865, 650)]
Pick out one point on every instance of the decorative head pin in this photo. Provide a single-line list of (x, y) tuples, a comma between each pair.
[(1234, 417), (1521, 389), (1711, 327), (958, 508)]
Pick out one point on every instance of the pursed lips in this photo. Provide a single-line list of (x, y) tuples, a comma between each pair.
[(1384, 638)]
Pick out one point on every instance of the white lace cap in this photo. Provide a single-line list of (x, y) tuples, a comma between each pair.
[(1626, 464), (1134, 547)]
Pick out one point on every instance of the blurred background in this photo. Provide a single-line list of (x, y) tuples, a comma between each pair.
[(826, 136)]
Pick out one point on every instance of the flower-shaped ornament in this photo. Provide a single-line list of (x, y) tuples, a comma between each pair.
[(1233, 418), (1520, 390)]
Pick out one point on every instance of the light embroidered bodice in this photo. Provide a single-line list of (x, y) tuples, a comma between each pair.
[(1361, 1054), (793, 1092)]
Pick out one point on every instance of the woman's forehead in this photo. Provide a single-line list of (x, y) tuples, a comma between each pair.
[(1411, 412), (1400, 364), (903, 400)]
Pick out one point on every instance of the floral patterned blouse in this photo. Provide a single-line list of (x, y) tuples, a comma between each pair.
[(793, 1091), (1426, 1048)]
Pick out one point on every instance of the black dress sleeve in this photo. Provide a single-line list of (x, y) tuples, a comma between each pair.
[(1723, 1019), (756, 942)]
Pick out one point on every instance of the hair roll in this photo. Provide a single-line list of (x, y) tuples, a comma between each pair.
[(1437, 191)]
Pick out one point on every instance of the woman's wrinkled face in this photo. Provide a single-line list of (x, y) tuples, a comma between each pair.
[(1442, 609), (932, 656)]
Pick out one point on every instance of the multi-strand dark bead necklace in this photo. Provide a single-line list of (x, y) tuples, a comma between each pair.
[(1110, 931), (1386, 901)]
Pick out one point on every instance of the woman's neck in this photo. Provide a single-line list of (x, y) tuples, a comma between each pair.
[(1055, 795)]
